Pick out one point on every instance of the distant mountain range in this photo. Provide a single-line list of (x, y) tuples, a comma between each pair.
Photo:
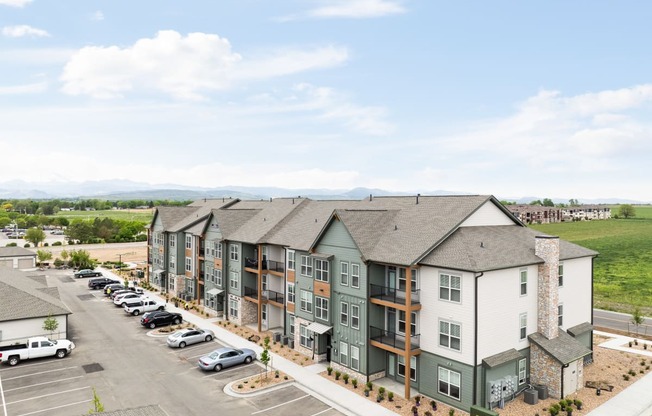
[(126, 190)]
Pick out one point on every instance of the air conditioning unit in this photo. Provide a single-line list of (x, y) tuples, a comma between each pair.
[(277, 336), (285, 339), (291, 343)]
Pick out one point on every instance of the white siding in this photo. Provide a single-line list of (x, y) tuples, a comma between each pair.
[(499, 305), (434, 309), (575, 295), (488, 214), (20, 330)]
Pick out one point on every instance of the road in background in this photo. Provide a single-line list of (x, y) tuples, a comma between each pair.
[(620, 322)]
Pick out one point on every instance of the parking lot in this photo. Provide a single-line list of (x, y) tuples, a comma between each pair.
[(130, 366)]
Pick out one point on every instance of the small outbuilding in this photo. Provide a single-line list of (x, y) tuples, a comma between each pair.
[(17, 258)]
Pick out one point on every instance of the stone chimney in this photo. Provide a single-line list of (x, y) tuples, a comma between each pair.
[(547, 248)]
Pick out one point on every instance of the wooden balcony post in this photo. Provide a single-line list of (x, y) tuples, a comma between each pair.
[(259, 285)]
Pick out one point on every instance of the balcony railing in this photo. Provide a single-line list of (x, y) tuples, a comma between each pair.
[(393, 295), (393, 339), (275, 266), (272, 295)]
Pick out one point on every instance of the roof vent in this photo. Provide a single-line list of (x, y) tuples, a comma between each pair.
[(371, 197), (481, 244), (395, 227), (418, 195), (315, 219)]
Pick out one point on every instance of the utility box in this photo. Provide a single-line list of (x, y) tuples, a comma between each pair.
[(285, 340), (531, 396), (277, 336), (542, 390)]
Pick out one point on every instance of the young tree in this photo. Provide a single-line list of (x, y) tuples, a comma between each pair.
[(43, 255), (626, 211), (35, 236), (637, 319), (97, 404), (81, 259), (50, 324), (64, 256), (264, 356)]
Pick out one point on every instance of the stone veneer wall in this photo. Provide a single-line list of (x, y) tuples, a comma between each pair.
[(547, 248), (545, 370), (248, 311), (352, 373)]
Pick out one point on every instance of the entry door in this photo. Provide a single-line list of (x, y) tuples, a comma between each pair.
[(391, 280), (570, 379), (391, 320), (391, 364), (264, 314)]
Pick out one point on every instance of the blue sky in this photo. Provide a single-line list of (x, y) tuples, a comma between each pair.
[(507, 98)]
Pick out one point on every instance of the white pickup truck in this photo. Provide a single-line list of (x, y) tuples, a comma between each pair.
[(35, 348), (146, 305)]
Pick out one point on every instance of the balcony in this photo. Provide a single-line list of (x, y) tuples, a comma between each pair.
[(268, 265), (251, 263), (270, 295), (393, 295), (393, 339)]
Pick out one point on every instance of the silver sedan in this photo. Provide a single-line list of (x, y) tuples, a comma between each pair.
[(189, 336), (225, 357)]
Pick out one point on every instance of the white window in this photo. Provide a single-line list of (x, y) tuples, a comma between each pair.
[(523, 326), (306, 266), (344, 353), (234, 280), (218, 250), (402, 279), (560, 315), (522, 369), (413, 367), (355, 275), (450, 287), (188, 241), (344, 273), (344, 313), (355, 357), (561, 274), (450, 335), (291, 324), (321, 270), (449, 383), (173, 240), (188, 264), (207, 248), (401, 323), (304, 336), (217, 277), (235, 252), (233, 308), (291, 295), (291, 260), (321, 308), (523, 282), (173, 262), (306, 301), (355, 317)]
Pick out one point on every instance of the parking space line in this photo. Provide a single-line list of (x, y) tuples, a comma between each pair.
[(222, 372), (45, 382), (51, 394), (57, 407), (323, 411), (282, 404), (42, 372), (31, 365), (2, 396)]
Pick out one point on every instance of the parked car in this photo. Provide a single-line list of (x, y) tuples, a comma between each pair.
[(35, 348), (100, 282), (123, 298), (145, 305), (158, 318), (189, 336), (225, 357), (87, 273), (114, 288)]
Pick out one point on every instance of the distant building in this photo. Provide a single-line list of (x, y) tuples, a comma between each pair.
[(17, 258), (537, 214)]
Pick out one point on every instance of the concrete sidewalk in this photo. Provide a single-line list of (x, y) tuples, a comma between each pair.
[(636, 400), (330, 393)]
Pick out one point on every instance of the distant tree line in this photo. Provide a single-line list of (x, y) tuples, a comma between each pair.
[(52, 206)]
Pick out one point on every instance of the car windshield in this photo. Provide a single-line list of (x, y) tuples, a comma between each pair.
[(176, 334)]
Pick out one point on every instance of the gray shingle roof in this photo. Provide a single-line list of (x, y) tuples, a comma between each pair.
[(172, 215), (27, 297), (269, 216), (487, 248), (564, 348), (201, 210), (16, 252), (502, 358), (580, 329)]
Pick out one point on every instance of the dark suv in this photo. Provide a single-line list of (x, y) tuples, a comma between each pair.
[(157, 318), (100, 282)]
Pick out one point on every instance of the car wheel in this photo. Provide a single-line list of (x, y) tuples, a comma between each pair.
[(218, 367), (152, 325), (248, 360), (123, 304), (208, 338), (176, 321), (182, 345), (136, 312), (61, 353), (13, 360), (160, 308)]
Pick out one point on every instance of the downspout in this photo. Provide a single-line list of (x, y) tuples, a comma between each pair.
[(259, 287), (368, 338), (591, 306), (408, 329), (475, 339)]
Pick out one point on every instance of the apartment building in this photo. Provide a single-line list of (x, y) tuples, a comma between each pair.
[(450, 295)]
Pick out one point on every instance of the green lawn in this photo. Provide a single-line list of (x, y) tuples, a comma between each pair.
[(144, 216), (623, 269)]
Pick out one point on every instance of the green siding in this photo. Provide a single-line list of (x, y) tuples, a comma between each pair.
[(585, 339), (345, 333), (427, 373), (508, 369), (337, 236), (233, 266), (303, 283)]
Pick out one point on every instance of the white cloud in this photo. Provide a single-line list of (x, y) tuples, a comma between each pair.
[(202, 63), (15, 3), (20, 31), (98, 15), (37, 56), (24, 89), (351, 9)]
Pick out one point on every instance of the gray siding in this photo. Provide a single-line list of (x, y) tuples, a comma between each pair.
[(233, 266), (303, 283), (427, 373)]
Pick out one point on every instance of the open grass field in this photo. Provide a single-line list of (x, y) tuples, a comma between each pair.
[(623, 270), (142, 215)]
